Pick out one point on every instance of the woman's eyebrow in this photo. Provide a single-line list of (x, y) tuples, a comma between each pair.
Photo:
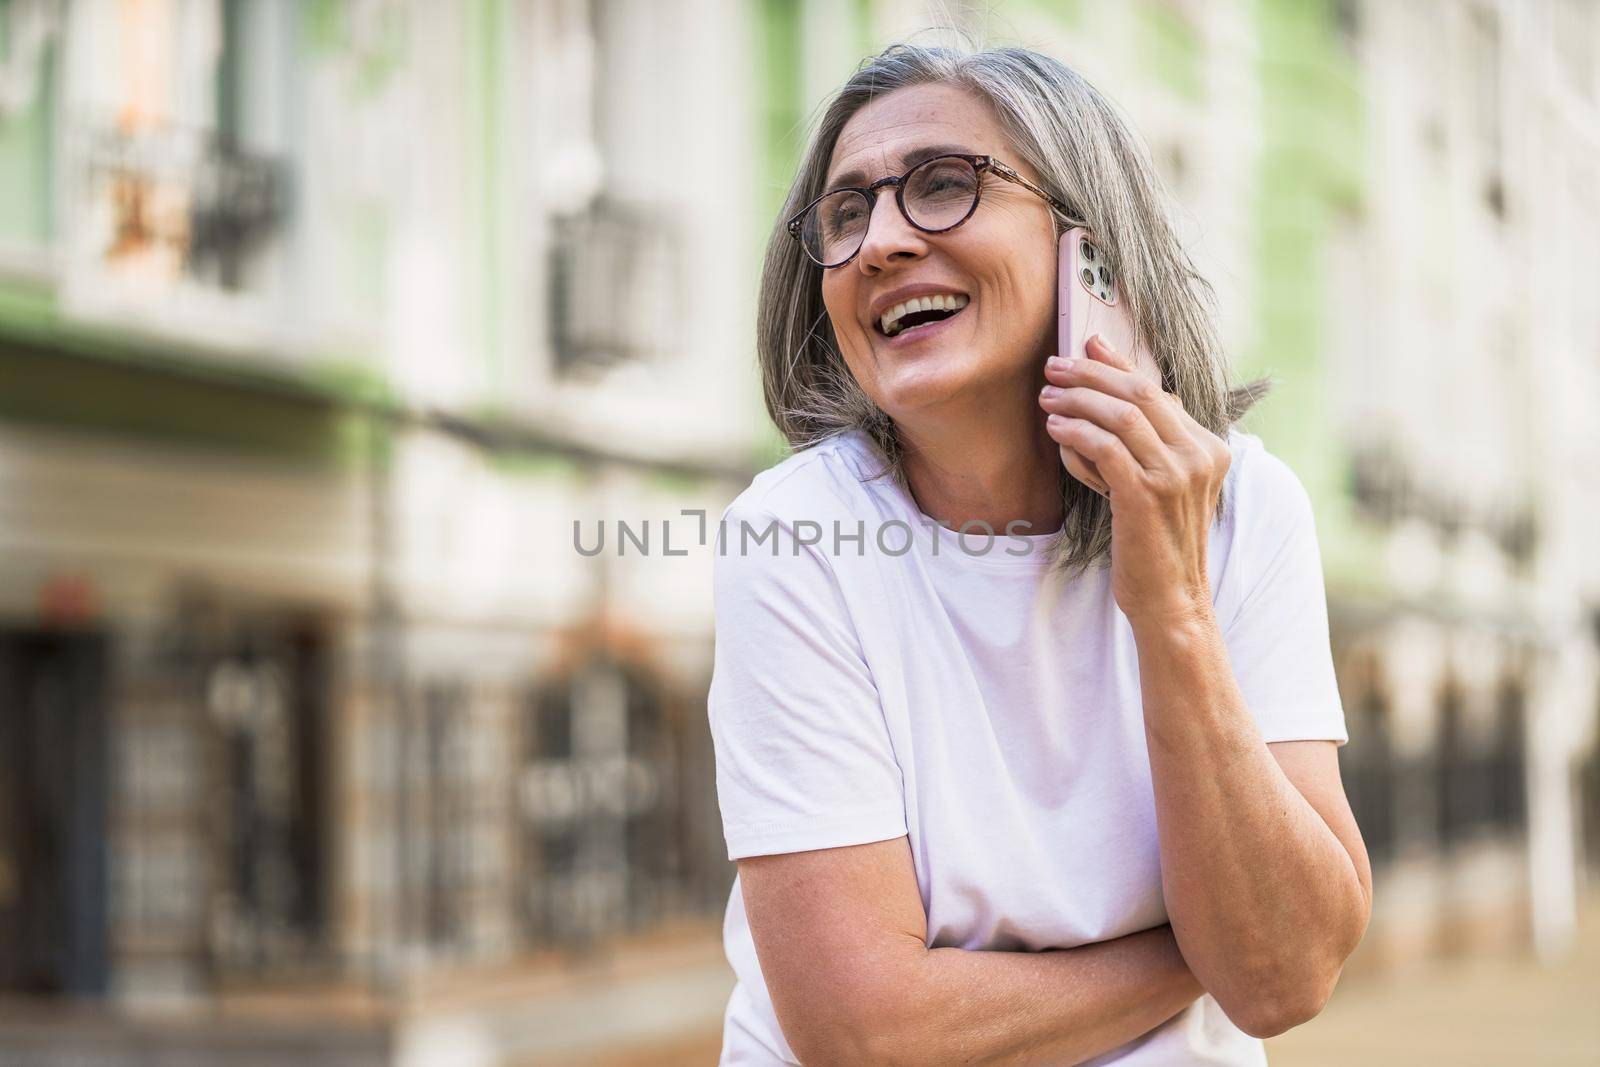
[(914, 156)]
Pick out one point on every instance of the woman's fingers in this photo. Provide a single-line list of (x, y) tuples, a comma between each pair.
[(1115, 415), (1098, 446), (1137, 409), (1083, 470)]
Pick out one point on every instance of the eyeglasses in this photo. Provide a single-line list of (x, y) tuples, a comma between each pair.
[(935, 196)]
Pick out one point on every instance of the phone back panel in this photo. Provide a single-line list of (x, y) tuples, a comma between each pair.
[(1089, 301)]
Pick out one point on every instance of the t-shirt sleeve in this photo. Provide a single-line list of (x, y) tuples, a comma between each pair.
[(1277, 636), (803, 755)]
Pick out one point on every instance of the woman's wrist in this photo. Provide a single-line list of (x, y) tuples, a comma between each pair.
[(1182, 620)]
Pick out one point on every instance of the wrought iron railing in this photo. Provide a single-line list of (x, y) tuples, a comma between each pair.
[(190, 197)]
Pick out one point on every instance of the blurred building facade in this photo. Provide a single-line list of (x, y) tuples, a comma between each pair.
[(330, 331), (1396, 204), (1470, 662), (327, 328)]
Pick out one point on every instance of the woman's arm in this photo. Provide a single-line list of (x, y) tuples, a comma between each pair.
[(841, 936), (1267, 883), (1266, 880)]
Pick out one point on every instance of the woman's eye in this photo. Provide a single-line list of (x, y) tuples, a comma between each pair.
[(842, 218), (946, 185)]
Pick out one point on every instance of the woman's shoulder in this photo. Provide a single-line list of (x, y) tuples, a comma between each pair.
[(1265, 488), (818, 483), (772, 541), (1267, 521)]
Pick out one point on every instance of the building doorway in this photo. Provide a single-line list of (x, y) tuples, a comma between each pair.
[(53, 916)]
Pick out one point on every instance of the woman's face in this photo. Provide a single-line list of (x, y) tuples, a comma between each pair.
[(1002, 259)]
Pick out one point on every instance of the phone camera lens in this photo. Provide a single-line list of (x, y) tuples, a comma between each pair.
[(1105, 276), (1088, 277), (1088, 251)]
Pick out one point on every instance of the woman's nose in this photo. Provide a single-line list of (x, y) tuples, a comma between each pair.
[(888, 234)]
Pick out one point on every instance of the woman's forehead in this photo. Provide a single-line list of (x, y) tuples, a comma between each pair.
[(877, 139)]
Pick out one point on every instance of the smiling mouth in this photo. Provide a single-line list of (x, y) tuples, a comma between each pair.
[(920, 311)]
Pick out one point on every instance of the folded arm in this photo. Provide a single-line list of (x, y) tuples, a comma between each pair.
[(841, 937)]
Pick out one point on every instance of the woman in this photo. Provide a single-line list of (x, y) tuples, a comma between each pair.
[(1074, 798)]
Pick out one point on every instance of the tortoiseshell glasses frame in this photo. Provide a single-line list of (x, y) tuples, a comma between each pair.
[(980, 164)]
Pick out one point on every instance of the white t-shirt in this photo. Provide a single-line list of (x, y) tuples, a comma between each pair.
[(907, 683)]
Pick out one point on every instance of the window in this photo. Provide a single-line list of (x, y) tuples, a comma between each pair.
[(1484, 67), (615, 287), (178, 174), (598, 805)]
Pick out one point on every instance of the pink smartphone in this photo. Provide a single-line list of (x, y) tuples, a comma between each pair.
[(1087, 299), (1087, 303)]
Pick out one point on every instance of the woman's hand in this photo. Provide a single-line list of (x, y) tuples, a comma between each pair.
[(1164, 472)]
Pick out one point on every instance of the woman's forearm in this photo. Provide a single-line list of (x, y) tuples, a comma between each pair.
[(1262, 896), (1007, 1009)]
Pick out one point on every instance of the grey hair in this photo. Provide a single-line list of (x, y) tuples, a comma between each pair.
[(1085, 155)]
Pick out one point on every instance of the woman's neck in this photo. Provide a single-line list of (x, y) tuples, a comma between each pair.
[(993, 466)]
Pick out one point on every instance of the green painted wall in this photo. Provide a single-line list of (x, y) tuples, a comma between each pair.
[(780, 120), (863, 24), (1171, 50), (1313, 117), (26, 162), (779, 42)]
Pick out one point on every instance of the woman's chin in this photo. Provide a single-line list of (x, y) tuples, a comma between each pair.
[(936, 378)]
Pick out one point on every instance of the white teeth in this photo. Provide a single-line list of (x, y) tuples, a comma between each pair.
[(890, 320)]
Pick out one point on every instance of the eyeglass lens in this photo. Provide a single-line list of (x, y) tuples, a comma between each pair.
[(939, 193)]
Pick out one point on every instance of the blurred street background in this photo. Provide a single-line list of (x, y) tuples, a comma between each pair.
[(323, 323)]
